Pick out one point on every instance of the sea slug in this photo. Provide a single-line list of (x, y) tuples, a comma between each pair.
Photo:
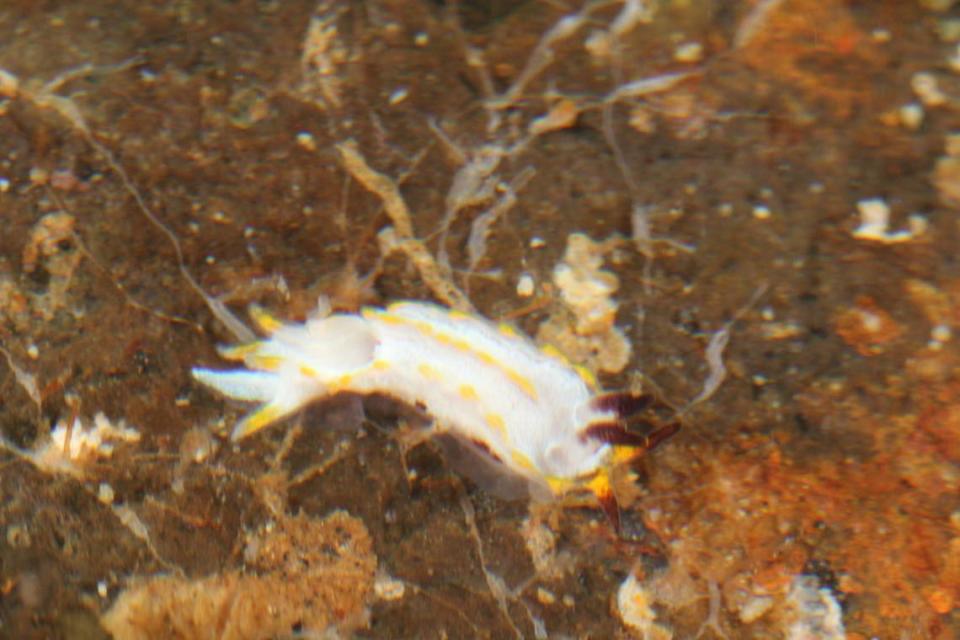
[(526, 408)]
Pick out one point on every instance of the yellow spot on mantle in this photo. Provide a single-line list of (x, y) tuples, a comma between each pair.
[(429, 372), (552, 352), (496, 422), (455, 343), (486, 358), (525, 384), (422, 326), (522, 461), (370, 313), (587, 376), (341, 384), (507, 330), (469, 392)]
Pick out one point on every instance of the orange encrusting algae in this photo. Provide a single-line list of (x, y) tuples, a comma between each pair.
[(761, 509)]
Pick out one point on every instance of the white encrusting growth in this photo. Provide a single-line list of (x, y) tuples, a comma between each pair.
[(74, 444), (875, 223), (483, 382)]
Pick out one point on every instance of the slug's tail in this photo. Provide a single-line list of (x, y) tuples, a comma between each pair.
[(252, 386), (294, 365)]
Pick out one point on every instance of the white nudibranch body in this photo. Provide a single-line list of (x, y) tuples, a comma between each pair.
[(525, 407)]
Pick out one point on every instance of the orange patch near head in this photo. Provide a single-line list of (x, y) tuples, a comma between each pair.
[(601, 487)]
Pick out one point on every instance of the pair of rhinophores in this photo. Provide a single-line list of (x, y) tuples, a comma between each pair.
[(526, 409)]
